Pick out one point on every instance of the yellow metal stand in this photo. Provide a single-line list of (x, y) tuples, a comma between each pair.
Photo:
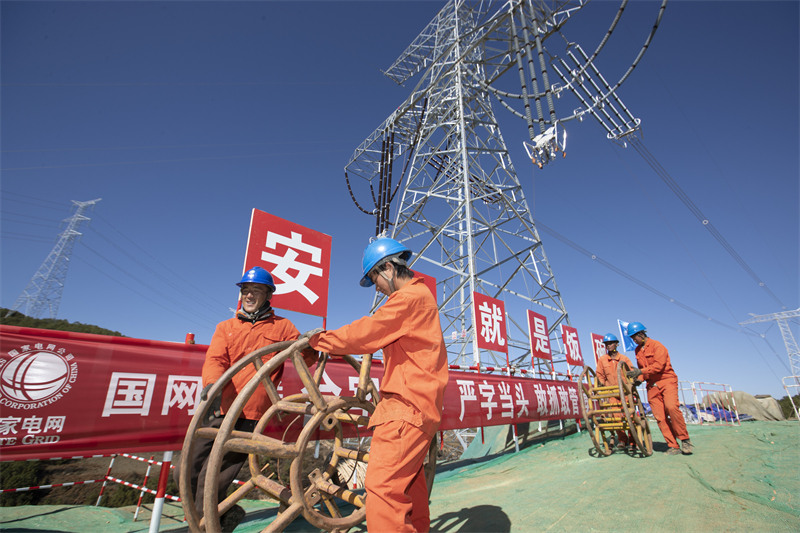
[(607, 409)]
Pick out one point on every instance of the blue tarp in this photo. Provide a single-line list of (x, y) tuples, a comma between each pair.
[(716, 411)]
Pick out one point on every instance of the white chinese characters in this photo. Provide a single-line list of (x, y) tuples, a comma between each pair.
[(287, 263), (482, 403), (131, 393), (491, 322)]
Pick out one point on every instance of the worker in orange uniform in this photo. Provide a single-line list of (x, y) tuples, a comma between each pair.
[(254, 326), (607, 376), (655, 367), (405, 421)]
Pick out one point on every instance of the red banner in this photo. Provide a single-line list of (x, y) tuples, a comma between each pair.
[(539, 336), (598, 348), (571, 345), (298, 259), (65, 394), (490, 322)]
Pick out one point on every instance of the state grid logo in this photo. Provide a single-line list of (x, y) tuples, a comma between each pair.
[(36, 375)]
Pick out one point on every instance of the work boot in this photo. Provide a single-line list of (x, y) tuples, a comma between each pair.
[(686, 447), (673, 451), (231, 519)]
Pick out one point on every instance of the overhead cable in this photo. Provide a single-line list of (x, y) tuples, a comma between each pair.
[(683, 197), (598, 259)]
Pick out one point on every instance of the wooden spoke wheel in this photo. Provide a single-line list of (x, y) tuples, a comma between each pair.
[(634, 412), (199, 433), (589, 406), (328, 500)]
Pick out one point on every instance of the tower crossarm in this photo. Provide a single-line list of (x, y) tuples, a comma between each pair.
[(784, 315), (782, 318)]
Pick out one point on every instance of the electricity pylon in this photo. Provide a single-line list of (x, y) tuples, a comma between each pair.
[(43, 293), (788, 338), (439, 172)]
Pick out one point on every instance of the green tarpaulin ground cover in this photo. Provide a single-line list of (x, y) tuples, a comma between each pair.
[(740, 478)]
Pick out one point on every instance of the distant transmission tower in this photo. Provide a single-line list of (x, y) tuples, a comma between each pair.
[(442, 167), (788, 339), (43, 293)]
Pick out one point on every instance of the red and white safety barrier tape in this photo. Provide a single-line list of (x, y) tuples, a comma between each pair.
[(70, 483), (139, 487)]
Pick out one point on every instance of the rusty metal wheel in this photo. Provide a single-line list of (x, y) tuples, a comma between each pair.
[(328, 501), (587, 382), (634, 412), (198, 432), (318, 492)]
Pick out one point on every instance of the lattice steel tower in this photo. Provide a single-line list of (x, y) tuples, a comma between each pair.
[(782, 319), (438, 172), (43, 293)]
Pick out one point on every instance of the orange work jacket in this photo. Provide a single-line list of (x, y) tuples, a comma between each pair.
[(653, 360), (607, 368), (408, 330), (234, 339)]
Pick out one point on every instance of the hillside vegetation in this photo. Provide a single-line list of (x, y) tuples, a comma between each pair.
[(18, 319)]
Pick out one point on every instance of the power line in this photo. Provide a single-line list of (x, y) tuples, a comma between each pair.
[(25, 237), (179, 160), (32, 200), (156, 302), (183, 311), (629, 277), (211, 306), (178, 84), (653, 205), (684, 198), (161, 147)]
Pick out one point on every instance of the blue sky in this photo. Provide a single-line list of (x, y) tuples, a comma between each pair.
[(183, 116)]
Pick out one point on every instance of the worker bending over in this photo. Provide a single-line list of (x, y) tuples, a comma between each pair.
[(405, 421), (662, 388)]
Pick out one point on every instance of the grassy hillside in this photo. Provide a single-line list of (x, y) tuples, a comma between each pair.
[(18, 319)]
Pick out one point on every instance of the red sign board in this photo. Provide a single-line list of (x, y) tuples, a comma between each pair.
[(490, 322), (429, 282), (540, 337), (298, 259), (65, 394), (598, 348), (571, 345)]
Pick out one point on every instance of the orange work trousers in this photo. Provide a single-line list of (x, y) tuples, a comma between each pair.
[(397, 494), (663, 398)]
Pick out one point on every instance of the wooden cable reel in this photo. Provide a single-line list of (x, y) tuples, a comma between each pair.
[(316, 490)]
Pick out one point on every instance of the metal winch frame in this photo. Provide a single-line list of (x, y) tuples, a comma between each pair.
[(603, 416), (319, 496)]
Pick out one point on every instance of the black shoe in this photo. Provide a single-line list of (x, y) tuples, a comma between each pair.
[(231, 519)]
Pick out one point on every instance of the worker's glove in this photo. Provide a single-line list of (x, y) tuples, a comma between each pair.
[(310, 333), (633, 374), (215, 409)]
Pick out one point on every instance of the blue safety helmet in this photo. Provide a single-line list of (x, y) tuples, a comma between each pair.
[(376, 252), (258, 275), (634, 328), (610, 337)]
